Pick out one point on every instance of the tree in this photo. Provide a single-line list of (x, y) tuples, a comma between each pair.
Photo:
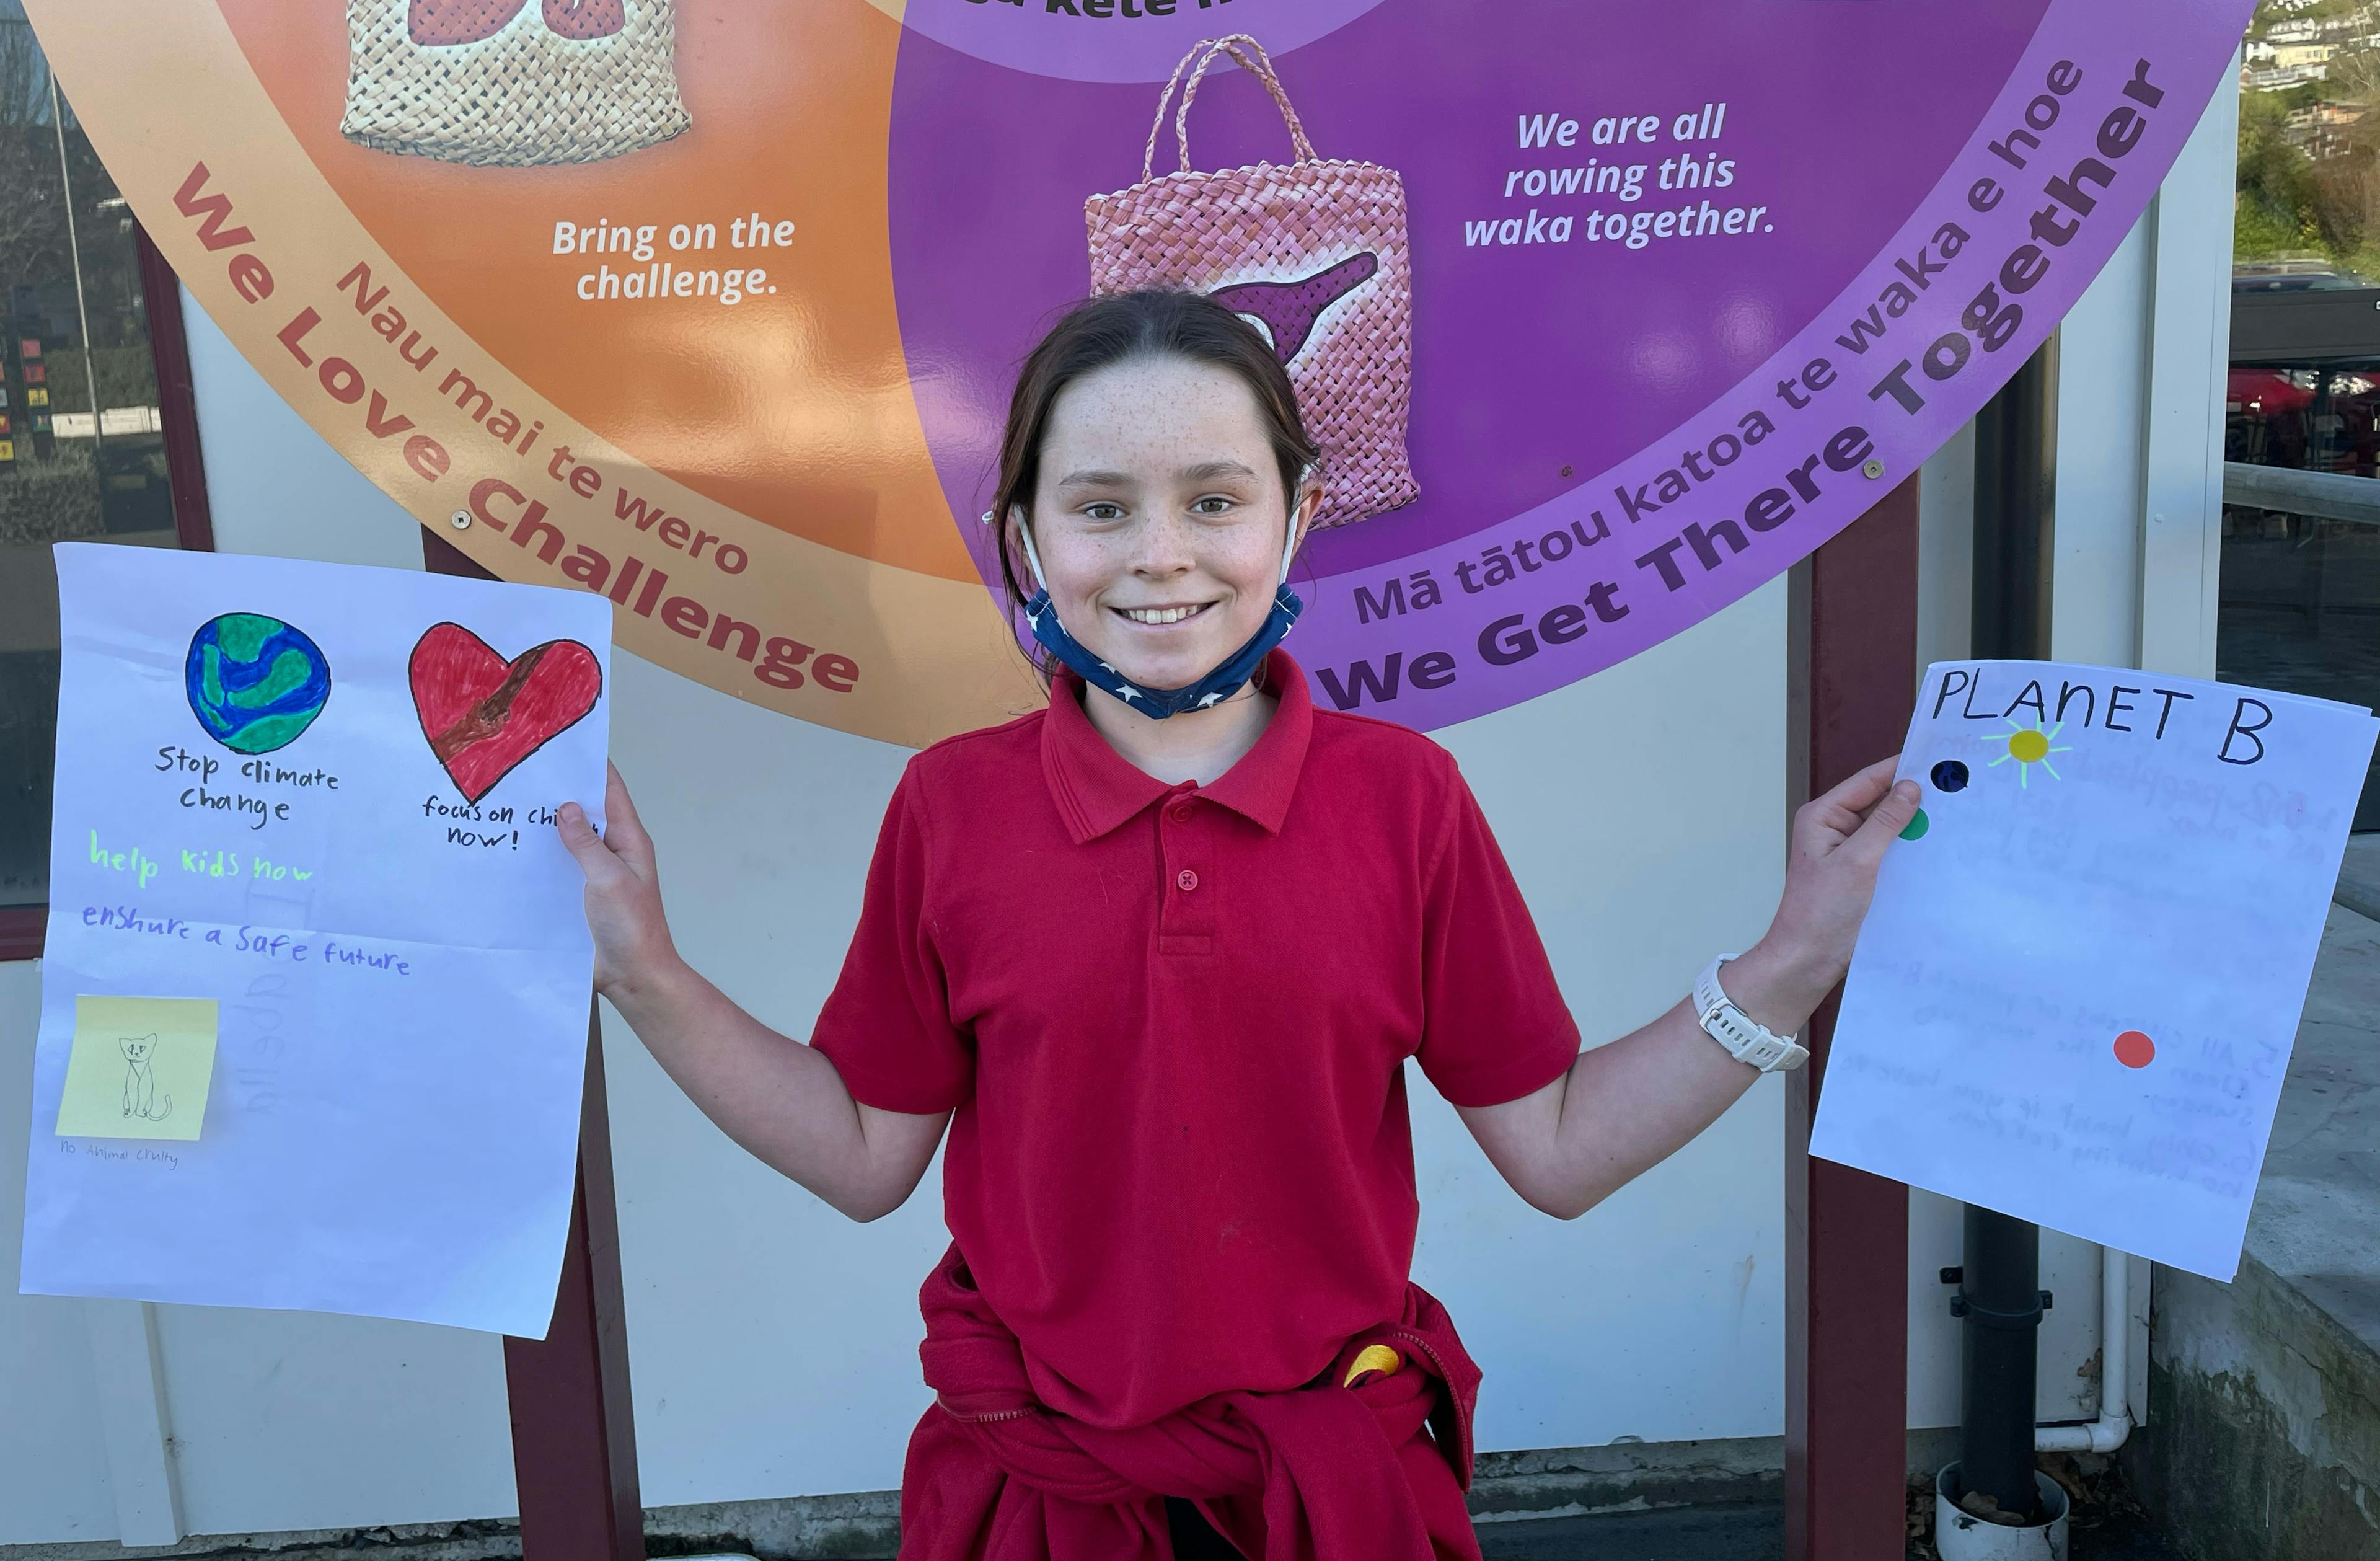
[(2278, 199)]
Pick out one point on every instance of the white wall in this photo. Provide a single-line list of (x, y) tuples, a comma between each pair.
[(775, 1344)]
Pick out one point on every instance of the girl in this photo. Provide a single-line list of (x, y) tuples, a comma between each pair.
[(1156, 956)]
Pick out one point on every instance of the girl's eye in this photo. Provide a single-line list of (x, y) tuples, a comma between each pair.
[(1213, 504), (1102, 510)]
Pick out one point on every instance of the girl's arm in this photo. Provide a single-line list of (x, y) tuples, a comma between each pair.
[(1623, 1108), (770, 1093)]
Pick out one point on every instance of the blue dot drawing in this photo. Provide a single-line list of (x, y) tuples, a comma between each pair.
[(1949, 776)]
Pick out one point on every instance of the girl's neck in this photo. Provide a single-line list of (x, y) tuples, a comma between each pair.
[(1198, 745)]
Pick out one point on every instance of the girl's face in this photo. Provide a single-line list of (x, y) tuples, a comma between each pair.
[(1159, 517)]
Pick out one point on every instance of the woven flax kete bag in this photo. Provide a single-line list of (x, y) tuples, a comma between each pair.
[(1314, 250), (512, 82)]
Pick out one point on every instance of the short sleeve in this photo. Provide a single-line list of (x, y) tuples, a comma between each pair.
[(1494, 1025), (886, 1026)]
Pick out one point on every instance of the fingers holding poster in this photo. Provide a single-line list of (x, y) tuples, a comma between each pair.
[(715, 311)]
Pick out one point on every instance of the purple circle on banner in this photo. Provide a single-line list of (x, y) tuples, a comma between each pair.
[(1116, 39), (1657, 294)]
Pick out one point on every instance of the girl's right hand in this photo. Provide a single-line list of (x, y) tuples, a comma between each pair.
[(624, 892)]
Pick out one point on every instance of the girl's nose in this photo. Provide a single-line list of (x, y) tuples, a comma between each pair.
[(1164, 549)]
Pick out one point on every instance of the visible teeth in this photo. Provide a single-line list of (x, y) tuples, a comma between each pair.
[(1158, 614)]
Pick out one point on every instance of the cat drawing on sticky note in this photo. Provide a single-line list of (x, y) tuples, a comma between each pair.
[(140, 1079)]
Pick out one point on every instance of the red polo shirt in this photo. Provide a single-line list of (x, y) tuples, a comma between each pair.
[(1172, 1020)]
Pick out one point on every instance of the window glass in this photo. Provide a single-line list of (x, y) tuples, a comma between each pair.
[(2299, 605), (81, 454)]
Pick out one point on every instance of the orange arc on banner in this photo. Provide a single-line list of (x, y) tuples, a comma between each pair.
[(748, 481), (792, 405), (365, 351)]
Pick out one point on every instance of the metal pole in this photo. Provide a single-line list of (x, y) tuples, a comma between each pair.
[(1999, 1298), (2016, 497), (1999, 1306), (74, 251)]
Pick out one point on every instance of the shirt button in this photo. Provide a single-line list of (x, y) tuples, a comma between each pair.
[(1182, 811), (1186, 880)]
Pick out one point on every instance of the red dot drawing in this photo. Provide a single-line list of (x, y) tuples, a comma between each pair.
[(2134, 1049)]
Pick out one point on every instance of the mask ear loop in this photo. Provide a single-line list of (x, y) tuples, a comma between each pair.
[(1032, 556), (1289, 547)]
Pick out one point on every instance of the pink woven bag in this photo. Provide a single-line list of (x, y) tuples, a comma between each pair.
[(1314, 252)]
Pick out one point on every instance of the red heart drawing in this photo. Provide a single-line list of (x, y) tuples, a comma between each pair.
[(443, 23), (484, 714)]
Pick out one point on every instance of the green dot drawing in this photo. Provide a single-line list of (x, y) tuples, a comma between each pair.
[(1917, 826)]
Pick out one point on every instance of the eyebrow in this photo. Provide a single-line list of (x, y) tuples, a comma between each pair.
[(1206, 470)]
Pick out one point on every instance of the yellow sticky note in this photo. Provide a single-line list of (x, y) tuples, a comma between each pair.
[(139, 1067)]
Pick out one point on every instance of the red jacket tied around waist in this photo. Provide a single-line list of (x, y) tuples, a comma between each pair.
[(1327, 1472)]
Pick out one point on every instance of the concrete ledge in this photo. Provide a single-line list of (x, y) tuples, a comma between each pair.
[(1722, 1479), (2264, 1435), (1512, 1487), (1626, 1477)]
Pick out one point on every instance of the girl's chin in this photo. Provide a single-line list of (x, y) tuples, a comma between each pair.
[(1172, 671)]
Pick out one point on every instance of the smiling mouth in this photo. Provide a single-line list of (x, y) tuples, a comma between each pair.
[(1159, 617)]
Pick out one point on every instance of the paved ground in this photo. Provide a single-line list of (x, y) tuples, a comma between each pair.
[(1748, 1533), (1694, 1533)]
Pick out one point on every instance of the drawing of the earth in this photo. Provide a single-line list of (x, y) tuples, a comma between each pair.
[(254, 682)]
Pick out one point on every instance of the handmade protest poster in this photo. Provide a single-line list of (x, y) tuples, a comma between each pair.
[(2074, 998), (314, 1001)]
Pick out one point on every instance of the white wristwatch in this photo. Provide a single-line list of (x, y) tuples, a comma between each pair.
[(1745, 1037)]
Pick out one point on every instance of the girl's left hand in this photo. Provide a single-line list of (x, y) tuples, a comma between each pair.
[(1839, 842)]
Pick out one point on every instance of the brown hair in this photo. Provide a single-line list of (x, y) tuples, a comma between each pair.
[(1151, 323)]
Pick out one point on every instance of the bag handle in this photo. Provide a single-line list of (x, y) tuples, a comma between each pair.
[(1240, 46)]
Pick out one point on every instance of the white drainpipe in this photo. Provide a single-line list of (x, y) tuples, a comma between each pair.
[(2115, 1422)]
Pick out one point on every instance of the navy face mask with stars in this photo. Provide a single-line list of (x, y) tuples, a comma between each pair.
[(1157, 704)]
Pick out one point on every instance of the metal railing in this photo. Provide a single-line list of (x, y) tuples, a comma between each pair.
[(2327, 494)]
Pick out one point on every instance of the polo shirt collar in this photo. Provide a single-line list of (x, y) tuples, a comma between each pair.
[(1097, 789)]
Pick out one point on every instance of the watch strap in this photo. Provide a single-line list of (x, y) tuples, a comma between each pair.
[(1745, 1037)]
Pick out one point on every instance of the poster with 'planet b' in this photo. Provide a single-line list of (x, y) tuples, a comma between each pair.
[(2075, 995), (314, 1004)]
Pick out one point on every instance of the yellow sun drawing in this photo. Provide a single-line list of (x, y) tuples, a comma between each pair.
[(2028, 746)]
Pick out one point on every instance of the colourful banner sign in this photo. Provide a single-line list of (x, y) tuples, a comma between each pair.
[(713, 310)]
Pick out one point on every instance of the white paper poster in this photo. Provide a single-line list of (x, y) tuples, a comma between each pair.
[(315, 997), (2074, 998)]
